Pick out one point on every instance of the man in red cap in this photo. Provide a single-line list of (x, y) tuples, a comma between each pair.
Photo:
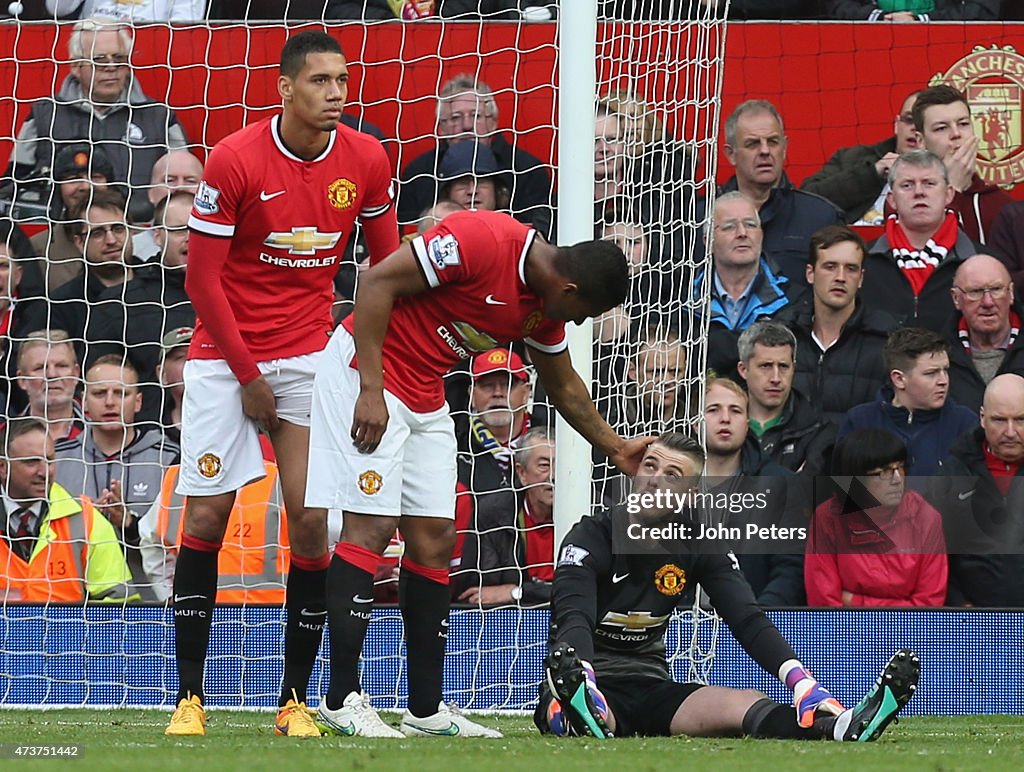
[(497, 399), (498, 416)]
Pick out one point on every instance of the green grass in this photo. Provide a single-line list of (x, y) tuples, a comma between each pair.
[(133, 740)]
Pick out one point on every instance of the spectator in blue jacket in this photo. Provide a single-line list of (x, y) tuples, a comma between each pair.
[(745, 285), (916, 406)]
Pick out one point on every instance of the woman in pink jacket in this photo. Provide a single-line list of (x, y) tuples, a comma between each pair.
[(874, 543)]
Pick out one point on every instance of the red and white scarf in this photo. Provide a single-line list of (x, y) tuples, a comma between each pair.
[(917, 264)]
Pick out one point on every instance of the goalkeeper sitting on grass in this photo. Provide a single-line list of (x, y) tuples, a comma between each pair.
[(606, 672)]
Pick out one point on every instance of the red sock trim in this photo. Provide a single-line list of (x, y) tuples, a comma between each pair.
[(360, 557), (311, 564), (439, 575), (200, 545)]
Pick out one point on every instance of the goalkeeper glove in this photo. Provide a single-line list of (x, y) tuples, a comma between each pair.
[(808, 695)]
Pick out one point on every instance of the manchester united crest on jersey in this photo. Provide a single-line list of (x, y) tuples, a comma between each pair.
[(342, 193), (370, 482), (670, 579), (532, 321)]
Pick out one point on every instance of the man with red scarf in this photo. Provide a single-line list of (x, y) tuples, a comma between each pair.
[(909, 270)]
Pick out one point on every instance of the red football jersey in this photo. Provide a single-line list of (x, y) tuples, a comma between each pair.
[(289, 221), (478, 299)]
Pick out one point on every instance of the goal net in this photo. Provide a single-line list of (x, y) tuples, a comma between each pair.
[(656, 111)]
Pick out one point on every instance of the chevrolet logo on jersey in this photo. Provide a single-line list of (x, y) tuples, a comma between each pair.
[(302, 241), (634, 620), (474, 339)]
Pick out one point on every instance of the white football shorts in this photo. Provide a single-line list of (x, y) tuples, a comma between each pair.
[(220, 446), (412, 471)]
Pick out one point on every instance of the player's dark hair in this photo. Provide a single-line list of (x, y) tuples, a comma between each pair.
[(829, 236), (599, 270), (678, 442), (298, 47), (16, 427), (906, 344), (943, 94), (862, 450)]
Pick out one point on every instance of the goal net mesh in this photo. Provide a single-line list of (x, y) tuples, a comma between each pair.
[(657, 112)]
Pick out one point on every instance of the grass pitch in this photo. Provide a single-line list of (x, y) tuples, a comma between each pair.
[(133, 740)]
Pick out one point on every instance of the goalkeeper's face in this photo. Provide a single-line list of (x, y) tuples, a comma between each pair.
[(663, 476), (316, 95)]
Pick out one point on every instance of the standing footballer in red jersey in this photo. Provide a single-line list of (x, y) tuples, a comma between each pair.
[(382, 444), (271, 218)]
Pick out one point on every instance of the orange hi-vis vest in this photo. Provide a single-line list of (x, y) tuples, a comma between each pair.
[(76, 556), (253, 562)]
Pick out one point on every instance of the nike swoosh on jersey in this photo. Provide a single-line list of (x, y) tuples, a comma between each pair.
[(179, 598), (264, 196), (358, 599), (965, 496), (490, 300), (307, 613), (616, 578)]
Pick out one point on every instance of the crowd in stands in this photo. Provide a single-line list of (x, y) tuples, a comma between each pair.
[(894, 366)]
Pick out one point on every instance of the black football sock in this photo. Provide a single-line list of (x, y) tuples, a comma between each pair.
[(424, 601), (306, 602), (195, 590), (349, 606), (767, 718)]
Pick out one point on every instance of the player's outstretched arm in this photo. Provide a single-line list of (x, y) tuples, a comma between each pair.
[(397, 276), (571, 398)]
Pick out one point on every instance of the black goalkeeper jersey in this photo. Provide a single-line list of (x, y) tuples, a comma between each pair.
[(614, 609)]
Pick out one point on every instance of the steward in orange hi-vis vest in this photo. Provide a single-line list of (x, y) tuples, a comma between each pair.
[(253, 562), (75, 557)]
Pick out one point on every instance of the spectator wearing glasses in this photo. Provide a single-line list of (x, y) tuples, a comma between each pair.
[(102, 103), (984, 334), (467, 111), (875, 543), (106, 245), (856, 178), (745, 285), (79, 169), (134, 318)]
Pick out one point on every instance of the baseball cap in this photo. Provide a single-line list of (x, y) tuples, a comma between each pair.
[(82, 158), (468, 158), (499, 360), (179, 336)]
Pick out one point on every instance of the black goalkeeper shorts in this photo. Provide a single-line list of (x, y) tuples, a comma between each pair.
[(642, 705)]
